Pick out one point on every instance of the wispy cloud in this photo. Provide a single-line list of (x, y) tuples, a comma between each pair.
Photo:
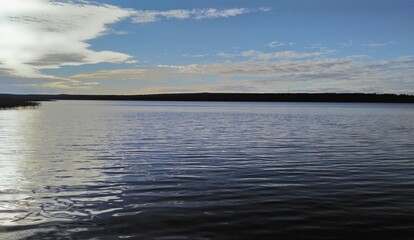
[(346, 44), (221, 88), (288, 55), (316, 46), (376, 44), (119, 74), (257, 55), (196, 55), (149, 16), (355, 73), (43, 34), (324, 74), (151, 74), (275, 44)]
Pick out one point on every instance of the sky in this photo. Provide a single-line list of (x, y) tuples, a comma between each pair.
[(181, 46)]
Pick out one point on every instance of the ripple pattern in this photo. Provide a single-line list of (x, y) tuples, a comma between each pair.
[(170, 170)]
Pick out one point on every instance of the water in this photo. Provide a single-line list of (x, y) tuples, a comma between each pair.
[(193, 170)]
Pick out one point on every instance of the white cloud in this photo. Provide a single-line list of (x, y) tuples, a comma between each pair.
[(151, 74), (194, 89), (196, 55), (43, 34), (132, 61), (119, 74), (275, 44), (64, 85), (288, 55), (316, 46), (250, 53), (116, 32), (227, 55), (318, 75), (257, 55), (148, 16), (301, 75), (347, 69), (346, 44), (383, 44)]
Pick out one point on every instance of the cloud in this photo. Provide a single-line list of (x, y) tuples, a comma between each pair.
[(374, 45), (288, 55), (227, 55), (303, 75), (346, 44), (42, 34), (45, 34), (116, 32), (64, 85), (149, 16), (257, 55), (275, 44), (205, 88), (119, 74), (196, 55), (153, 74), (317, 46), (336, 69)]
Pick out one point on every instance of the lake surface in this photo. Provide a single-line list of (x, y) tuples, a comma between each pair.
[(206, 170)]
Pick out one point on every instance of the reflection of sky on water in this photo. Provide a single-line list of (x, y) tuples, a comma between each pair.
[(73, 167), (50, 170), (14, 149)]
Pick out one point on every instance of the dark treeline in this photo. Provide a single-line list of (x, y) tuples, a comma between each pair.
[(15, 102), (236, 97)]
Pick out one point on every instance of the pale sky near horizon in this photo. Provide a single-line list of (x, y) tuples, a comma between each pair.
[(159, 46)]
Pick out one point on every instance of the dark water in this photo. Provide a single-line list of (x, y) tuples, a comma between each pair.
[(168, 170)]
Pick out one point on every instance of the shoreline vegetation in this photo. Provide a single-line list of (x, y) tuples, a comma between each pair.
[(33, 100), (17, 102)]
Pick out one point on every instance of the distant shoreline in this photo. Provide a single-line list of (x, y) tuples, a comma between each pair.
[(226, 97)]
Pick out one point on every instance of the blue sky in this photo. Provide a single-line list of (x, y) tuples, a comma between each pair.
[(158, 46)]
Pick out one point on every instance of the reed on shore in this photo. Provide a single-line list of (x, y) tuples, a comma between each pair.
[(10, 102)]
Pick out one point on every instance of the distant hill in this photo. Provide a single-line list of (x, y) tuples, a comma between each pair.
[(232, 97)]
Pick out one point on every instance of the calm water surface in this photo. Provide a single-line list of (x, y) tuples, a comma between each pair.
[(193, 170)]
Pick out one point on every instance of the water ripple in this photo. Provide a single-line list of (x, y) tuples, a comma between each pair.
[(125, 170)]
